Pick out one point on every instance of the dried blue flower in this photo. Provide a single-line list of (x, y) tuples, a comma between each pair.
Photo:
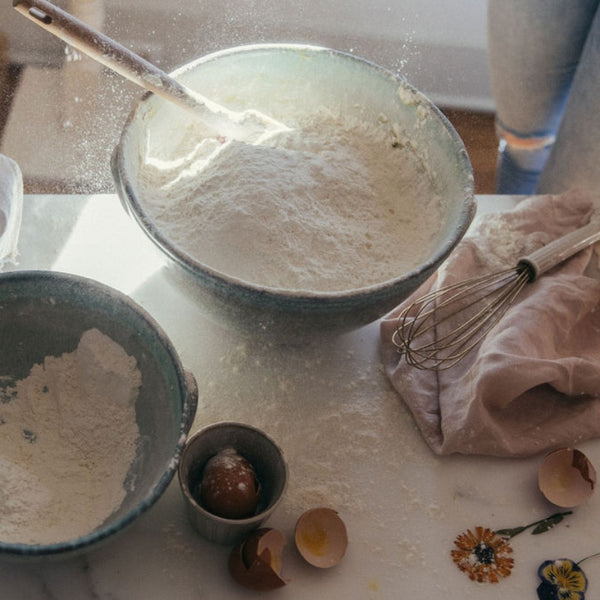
[(562, 579)]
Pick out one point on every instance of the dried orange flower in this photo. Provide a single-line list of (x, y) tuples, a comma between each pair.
[(483, 555)]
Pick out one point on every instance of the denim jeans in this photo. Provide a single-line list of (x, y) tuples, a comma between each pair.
[(545, 76)]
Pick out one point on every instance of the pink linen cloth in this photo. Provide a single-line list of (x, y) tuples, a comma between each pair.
[(533, 384)]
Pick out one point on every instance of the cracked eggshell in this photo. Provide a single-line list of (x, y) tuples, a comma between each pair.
[(321, 537), (566, 477), (256, 561)]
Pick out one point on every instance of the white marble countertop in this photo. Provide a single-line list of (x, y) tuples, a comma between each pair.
[(349, 441)]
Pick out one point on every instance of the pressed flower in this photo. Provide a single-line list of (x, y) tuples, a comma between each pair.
[(562, 579), (483, 555)]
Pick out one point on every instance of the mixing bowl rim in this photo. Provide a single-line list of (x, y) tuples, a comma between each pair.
[(188, 409), (135, 208)]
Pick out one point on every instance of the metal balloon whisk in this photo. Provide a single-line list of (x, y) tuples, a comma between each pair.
[(439, 329)]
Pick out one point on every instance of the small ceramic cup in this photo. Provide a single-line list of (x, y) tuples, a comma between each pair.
[(257, 448)]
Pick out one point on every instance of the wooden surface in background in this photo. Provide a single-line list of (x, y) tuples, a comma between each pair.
[(9, 78), (479, 136)]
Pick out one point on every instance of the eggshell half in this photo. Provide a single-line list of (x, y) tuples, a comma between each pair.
[(321, 537), (566, 477), (256, 561)]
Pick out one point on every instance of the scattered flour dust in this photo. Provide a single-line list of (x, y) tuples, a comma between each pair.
[(335, 204), (68, 436)]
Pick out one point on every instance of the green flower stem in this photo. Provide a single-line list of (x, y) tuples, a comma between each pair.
[(540, 526), (590, 556)]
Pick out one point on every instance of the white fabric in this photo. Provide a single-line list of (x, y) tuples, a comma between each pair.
[(11, 208), (534, 382)]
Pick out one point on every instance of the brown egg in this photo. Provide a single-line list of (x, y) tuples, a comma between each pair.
[(256, 561), (321, 537), (228, 487), (566, 477)]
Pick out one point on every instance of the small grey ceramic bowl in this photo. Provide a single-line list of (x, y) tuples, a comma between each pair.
[(271, 78), (44, 314), (259, 450)]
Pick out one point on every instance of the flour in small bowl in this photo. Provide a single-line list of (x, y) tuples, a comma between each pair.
[(335, 204), (68, 436)]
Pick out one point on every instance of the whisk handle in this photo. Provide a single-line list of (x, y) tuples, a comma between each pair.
[(556, 252)]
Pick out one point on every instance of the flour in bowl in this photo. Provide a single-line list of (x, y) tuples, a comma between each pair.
[(335, 204), (68, 436)]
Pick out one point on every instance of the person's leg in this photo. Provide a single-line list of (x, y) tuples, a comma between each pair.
[(575, 157), (534, 48)]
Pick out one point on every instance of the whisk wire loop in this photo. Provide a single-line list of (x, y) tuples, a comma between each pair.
[(425, 333), (438, 330)]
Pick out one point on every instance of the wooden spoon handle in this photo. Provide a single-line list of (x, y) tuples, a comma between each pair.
[(123, 61)]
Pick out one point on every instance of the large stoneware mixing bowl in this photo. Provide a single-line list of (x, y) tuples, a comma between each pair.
[(43, 316), (280, 80)]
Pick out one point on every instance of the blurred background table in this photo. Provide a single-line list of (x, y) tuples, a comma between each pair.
[(61, 114)]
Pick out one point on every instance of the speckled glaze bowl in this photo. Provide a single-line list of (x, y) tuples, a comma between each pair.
[(44, 313), (338, 80), (264, 455)]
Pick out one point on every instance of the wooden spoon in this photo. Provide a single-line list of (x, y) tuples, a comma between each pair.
[(249, 126)]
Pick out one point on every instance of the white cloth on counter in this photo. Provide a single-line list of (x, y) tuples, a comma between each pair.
[(533, 384), (11, 208)]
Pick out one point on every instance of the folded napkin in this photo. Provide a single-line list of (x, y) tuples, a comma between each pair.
[(11, 208), (534, 382)]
